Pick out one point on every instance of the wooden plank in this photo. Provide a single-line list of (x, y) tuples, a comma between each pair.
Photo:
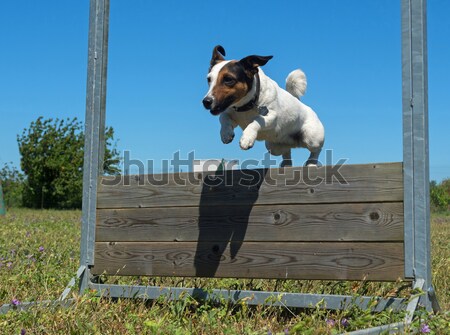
[(326, 261), (327, 222), (295, 185)]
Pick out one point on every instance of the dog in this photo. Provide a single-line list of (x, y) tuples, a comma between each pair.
[(242, 95)]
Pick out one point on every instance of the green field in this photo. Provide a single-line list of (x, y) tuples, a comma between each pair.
[(39, 253)]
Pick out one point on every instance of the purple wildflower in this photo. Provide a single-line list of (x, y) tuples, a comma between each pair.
[(41, 248), (345, 323), (286, 331), (269, 332), (330, 322), (23, 331), (15, 302), (9, 265), (424, 328), (31, 258)]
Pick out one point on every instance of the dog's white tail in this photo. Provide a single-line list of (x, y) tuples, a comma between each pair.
[(296, 83)]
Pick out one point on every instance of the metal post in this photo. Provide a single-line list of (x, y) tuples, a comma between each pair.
[(94, 145), (415, 143)]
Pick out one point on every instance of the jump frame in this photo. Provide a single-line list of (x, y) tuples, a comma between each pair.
[(416, 212), (406, 228)]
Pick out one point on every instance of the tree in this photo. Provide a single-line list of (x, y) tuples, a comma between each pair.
[(440, 195), (52, 161), (12, 184)]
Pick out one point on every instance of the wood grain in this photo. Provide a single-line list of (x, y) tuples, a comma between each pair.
[(294, 185), (343, 223), (325, 222), (326, 261)]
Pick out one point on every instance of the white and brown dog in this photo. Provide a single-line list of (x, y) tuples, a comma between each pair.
[(244, 96)]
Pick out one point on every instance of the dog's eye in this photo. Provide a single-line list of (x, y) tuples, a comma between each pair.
[(209, 80), (229, 81)]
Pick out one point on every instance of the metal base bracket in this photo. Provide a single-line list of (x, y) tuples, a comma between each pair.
[(62, 301)]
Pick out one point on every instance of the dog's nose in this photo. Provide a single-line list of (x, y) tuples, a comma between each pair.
[(207, 102)]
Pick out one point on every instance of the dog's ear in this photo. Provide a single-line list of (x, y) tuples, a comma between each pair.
[(251, 63), (217, 55)]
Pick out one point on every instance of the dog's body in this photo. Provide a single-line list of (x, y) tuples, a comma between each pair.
[(244, 96)]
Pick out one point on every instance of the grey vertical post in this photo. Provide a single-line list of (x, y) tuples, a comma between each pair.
[(415, 143), (94, 127)]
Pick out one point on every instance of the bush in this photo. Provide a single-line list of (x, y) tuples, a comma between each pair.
[(440, 196), (52, 161), (12, 184)]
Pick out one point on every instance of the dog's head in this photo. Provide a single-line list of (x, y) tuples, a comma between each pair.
[(230, 81)]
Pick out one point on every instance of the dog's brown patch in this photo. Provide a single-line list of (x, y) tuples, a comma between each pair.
[(233, 83)]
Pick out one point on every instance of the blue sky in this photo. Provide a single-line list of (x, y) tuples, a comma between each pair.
[(159, 53)]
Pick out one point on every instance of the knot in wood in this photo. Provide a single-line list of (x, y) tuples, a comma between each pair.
[(374, 216), (280, 217)]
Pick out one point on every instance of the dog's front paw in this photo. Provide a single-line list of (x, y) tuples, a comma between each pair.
[(227, 135), (247, 141)]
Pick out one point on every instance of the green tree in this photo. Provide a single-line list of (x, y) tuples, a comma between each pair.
[(440, 195), (52, 161), (12, 184)]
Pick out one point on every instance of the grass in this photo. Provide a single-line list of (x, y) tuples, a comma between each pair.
[(39, 253)]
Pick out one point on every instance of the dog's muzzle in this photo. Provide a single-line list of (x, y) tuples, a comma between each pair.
[(207, 102)]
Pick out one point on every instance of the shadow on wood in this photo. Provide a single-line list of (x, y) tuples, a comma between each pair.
[(214, 238)]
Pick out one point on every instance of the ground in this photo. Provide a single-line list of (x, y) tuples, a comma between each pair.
[(39, 253)]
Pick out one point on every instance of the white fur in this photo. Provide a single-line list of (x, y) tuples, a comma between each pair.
[(212, 76), (287, 117), (296, 83)]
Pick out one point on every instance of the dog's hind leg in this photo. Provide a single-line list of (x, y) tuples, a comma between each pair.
[(313, 138), (313, 159), (277, 149), (287, 160)]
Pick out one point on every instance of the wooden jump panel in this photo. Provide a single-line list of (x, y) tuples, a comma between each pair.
[(337, 223), (327, 222), (293, 185), (325, 261)]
